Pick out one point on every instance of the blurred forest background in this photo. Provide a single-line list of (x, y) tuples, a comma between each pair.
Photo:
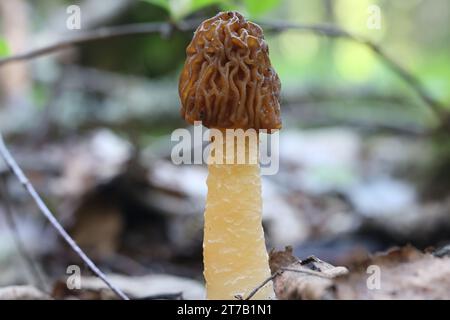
[(365, 148)]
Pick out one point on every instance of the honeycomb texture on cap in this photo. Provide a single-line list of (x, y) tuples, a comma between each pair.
[(228, 80)]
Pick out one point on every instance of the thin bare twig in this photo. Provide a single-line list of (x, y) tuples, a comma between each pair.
[(11, 222), (435, 106), (336, 32), (279, 272), (259, 287), (165, 28), (309, 272), (164, 296), (17, 171)]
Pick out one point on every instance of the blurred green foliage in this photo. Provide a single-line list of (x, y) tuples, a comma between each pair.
[(149, 55), (4, 49), (153, 55), (311, 59), (179, 9), (414, 33), (257, 8)]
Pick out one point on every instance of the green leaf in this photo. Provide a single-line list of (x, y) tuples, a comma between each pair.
[(229, 6), (198, 4), (182, 8), (179, 9), (256, 8), (4, 48), (160, 3)]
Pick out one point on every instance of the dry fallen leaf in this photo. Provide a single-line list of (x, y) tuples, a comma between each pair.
[(301, 280), (400, 273), (22, 293), (405, 273), (135, 287)]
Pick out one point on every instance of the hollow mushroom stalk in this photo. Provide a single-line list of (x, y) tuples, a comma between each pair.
[(228, 83)]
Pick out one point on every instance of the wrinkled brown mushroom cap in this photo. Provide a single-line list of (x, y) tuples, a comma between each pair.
[(227, 80)]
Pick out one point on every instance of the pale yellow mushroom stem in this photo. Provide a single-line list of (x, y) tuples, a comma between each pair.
[(235, 256)]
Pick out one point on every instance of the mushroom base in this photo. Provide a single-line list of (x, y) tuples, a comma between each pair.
[(235, 256)]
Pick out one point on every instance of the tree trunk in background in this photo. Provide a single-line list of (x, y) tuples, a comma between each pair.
[(14, 78), (330, 17)]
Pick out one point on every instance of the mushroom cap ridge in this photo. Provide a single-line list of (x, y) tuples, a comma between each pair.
[(228, 80)]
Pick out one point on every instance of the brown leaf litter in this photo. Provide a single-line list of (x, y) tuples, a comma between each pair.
[(400, 273)]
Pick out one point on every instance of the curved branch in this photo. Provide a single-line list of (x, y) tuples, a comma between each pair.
[(165, 28), (104, 33), (17, 171), (336, 32)]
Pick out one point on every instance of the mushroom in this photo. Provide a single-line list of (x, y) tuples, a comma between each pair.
[(228, 83)]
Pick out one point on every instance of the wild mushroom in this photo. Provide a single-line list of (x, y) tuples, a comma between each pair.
[(228, 83)]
